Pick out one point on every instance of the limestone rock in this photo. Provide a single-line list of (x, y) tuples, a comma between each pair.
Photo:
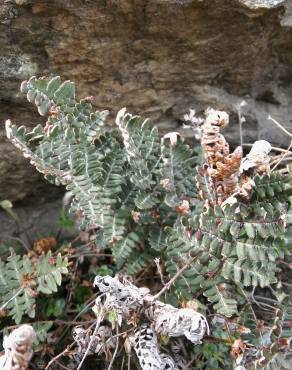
[(158, 58)]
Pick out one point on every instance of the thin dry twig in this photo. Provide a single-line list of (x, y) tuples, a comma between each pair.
[(88, 303), (116, 349), (59, 355), (62, 365), (282, 157), (97, 325), (240, 120), (276, 158), (280, 126), (22, 242), (91, 255), (71, 323), (168, 285), (129, 361), (189, 364)]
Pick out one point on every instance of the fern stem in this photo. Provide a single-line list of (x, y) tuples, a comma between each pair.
[(97, 325), (116, 349), (168, 285), (22, 242), (240, 126), (129, 361), (11, 299), (251, 309)]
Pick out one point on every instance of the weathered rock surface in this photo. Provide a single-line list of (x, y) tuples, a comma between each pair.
[(35, 221), (156, 57)]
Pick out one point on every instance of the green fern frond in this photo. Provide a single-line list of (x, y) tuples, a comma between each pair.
[(126, 246), (49, 273), (249, 273), (142, 147), (180, 178), (45, 92), (41, 329), (239, 242), (144, 200), (275, 361), (157, 238), (220, 294), (111, 174), (20, 280), (138, 261)]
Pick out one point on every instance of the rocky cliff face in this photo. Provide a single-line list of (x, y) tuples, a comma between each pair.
[(156, 57)]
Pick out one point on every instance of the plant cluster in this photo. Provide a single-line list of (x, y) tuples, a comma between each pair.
[(215, 224), (127, 183)]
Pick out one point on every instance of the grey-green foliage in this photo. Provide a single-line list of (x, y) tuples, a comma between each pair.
[(237, 245), (127, 183), (276, 361), (41, 329), (22, 279), (130, 185), (274, 342), (280, 333), (134, 188)]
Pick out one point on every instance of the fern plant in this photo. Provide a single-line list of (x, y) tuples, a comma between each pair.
[(238, 244), (136, 190), (219, 227), (21, 280), (127, 183)]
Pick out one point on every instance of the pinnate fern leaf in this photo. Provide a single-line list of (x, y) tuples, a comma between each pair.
[(21, 279), (49, 273)]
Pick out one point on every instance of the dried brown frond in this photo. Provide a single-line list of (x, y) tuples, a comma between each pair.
[(28, 280), (183, 208), (228, 175), (221, 166), (44, 245), (238, 349)]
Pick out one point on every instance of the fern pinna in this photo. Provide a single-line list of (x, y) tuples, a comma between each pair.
[(240, 233), (128, 183)]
